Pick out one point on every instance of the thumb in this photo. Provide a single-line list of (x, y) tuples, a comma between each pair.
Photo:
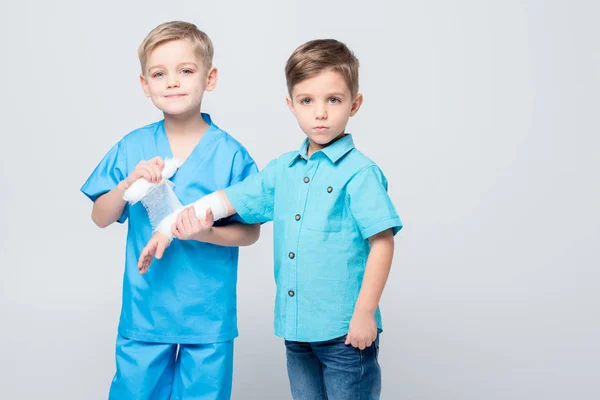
[(210, 218), (160, 249)]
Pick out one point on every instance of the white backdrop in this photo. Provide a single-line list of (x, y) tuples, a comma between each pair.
[(482, 114)]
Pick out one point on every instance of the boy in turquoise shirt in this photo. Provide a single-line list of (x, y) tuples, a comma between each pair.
[(334, 227)]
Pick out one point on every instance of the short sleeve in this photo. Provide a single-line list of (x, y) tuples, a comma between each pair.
[(253, 198), (243, 167), (370, 204), (111, 170)]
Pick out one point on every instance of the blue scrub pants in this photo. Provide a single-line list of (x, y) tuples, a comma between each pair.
[(156, 371)]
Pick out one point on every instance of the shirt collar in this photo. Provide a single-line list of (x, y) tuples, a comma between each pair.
[(334, 151)]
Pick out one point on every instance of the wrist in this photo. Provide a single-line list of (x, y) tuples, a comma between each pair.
[(123, 185), (203, 235), (365, 310)]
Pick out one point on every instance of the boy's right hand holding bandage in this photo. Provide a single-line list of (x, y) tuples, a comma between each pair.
[(192, 223), (109, 206)]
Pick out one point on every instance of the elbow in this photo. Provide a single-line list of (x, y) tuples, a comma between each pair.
[(254, 235), (98, 221)]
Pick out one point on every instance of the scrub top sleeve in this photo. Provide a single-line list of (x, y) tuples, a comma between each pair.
[(111, 170)]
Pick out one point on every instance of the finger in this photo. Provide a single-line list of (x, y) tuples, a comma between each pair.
[(144, 256), (192, 213), (159, 162), (194, 221), (354, 342), (160, 249), (144, 267), (178, 229), (145, 173), (179, 220), (348, 341), (144, 263), (141, 262), (185, 221), (156, 175), (361, 344), (210, 218)]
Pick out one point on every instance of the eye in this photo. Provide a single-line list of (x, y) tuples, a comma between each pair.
[(334, 100), (158, 75), (187, 71), (306, 101)]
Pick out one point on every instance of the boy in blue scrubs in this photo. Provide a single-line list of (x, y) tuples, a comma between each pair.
[(178, 321), (333, 234)]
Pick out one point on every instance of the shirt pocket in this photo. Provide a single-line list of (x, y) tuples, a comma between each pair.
[(324, 208)]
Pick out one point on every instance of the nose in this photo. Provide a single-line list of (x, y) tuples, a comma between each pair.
[(172, 82), (321, 111)]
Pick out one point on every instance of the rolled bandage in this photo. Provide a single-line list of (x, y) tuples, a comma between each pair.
[(214, 201), (159, 199), (141, 187)]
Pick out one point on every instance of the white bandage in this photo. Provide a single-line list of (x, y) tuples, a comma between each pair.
[(159, 199), (142, 187), (214, 201)]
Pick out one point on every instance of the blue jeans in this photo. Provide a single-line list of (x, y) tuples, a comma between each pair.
[(332, 370)]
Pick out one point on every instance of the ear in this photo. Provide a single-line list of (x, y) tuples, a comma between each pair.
[(211, 79), (358, 100), (290, 104), (144, 84)]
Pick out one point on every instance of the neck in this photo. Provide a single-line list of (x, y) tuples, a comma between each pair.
[(185, 124), (314, 147)]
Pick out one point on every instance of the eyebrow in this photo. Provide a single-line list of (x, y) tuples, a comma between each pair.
[(179, 65), (338, 94)]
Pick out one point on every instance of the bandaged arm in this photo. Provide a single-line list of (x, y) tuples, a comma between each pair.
[(217, 202)]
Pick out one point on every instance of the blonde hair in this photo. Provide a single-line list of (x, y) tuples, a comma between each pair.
[(177, 30), (315, 56)]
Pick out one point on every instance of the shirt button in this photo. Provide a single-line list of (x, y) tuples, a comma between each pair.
[(291, 255), (297, 217), (306, 179), (329, 189), (291, 293)]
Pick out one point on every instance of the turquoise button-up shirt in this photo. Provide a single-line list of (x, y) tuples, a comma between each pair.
[(324, 210)]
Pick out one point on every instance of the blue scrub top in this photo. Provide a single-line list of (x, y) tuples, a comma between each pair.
[(189, 296)]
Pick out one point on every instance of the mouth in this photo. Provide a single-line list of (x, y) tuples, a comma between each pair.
[(321, 128), (175, 96)]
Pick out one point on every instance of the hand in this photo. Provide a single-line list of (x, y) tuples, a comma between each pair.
[(154, 248), (188, 226), (150, 170), (363, 330)]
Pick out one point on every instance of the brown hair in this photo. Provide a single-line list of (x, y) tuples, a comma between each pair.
[(315, 56), (177, 30)]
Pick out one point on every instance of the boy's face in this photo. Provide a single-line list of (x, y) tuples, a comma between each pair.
[(322, 105), (175, 78)]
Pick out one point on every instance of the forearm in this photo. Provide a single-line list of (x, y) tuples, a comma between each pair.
[(232, 235), (377, 271), (109, 207), (217, 202)]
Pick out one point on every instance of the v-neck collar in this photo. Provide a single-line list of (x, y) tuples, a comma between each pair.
[(198, 154)]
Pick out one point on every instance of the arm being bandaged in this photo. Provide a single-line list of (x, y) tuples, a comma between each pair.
[(158, 199), (214, 201), (162, 204)]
